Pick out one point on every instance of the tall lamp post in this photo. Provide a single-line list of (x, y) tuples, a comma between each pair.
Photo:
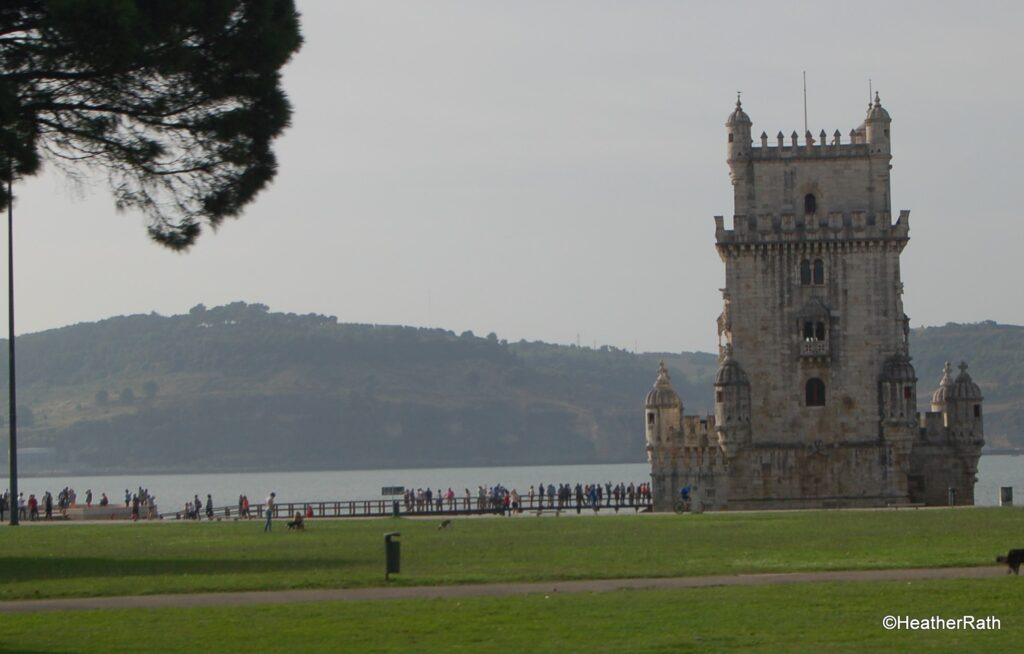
[(10, 345)]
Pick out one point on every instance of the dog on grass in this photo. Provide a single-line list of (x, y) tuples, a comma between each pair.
[(298, 523), (445, 524), (1013, 559)]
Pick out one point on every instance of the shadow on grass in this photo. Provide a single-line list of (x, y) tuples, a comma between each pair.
[(20, 569)]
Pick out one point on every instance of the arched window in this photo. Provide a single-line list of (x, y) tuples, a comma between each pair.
[(808, 331), (805, 272), (819, 271), (650, 418), (815, 392), (819, 331), (810, 204)]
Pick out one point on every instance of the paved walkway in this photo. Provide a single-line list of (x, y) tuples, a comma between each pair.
[(488, 590)]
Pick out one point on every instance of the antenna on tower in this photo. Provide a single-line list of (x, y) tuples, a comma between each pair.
[(805, 102), (870, 93)]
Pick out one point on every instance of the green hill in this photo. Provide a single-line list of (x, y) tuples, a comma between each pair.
[(241, 388)]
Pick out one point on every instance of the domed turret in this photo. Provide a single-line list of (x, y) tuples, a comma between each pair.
[(959, 400), (730, 373), (738, 126), (944, 392), (732, 404), (738, 116), (899, 390), (662, 395), (663, 410), (876, 128), (964, 387)]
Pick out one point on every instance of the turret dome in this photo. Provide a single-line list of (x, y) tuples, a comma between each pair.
[(662, 395), (961, 388), (964, 387), (945, 389), (738, 116), (899, 369), (877, 112), (729, 372)]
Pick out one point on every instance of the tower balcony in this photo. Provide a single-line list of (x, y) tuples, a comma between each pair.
[(812, 349)]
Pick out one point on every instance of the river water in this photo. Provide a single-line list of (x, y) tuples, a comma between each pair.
[(172, 491)]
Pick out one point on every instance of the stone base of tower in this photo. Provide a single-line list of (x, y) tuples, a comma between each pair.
[(783, 476)]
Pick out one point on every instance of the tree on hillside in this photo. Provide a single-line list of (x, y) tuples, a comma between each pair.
[(176, 102)]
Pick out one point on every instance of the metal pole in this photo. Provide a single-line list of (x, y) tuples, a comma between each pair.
[(10, 345)]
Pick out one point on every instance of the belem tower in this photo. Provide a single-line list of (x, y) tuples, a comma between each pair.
[(815, 394)]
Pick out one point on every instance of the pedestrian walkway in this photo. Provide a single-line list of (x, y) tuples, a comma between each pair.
[(489, 590)]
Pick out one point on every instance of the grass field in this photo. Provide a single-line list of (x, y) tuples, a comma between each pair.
[(64, 560), (835, 618)]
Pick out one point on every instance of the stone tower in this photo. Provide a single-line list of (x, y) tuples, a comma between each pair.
[(815, 396)]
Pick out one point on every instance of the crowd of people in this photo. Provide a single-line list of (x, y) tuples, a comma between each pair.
[(46, 506), (498, 498)]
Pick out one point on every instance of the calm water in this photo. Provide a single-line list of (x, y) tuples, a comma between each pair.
[(172, 491)]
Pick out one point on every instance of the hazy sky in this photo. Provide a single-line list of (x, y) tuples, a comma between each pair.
[(550, 169)]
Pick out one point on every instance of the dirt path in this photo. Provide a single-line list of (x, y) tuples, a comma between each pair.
[(481, 590)]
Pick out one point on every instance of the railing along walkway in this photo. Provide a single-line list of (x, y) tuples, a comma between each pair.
[(387, 507)]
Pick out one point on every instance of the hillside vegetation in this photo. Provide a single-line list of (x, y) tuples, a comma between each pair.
[(241, 388)]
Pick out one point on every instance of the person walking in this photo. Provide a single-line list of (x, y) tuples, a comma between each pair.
[(267, 526)]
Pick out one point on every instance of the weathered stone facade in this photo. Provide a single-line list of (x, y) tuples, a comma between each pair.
[(815, 397)]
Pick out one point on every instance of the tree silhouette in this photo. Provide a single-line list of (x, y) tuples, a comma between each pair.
[(175, 103)]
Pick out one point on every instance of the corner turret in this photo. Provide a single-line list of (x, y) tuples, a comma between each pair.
[(738, 129), (663, 410), (876, 128)]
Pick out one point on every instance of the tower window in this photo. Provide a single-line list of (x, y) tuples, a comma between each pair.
[(730, 137), (819, 272), (805, 272), (977, 410), (814, 392), (810, 204), (719, 397), (819, 331), (650, 418), (907, 394)]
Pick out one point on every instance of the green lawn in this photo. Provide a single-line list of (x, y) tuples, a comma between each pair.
[(56, 560), (834, 618)]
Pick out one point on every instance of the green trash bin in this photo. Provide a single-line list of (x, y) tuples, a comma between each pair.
[(392, 554)]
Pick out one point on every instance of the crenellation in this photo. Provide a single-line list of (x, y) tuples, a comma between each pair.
[(815, 395)]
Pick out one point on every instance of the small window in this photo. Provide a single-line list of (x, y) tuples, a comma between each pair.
[(719, 397), (730, 137), (907, 394), (810, 204), (819, 272), (815, 392), (819, 331), (808, 331), (805, 272), (977, 410), (650, 418)]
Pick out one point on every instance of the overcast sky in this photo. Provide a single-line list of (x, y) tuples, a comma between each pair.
[(547, 170)]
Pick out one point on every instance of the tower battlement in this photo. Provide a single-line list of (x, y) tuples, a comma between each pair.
[(836, 226)]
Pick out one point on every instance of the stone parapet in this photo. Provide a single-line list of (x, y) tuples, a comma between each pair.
[(836, 227)]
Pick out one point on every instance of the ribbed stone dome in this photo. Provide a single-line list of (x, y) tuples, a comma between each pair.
[(662, 396), (899, 369), (962, 388), (729, 372), (877, 112), (738, 116)]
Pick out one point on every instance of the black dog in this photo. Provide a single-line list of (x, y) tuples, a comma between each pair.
[(298, 524), (445, 524), (1013, 559)]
